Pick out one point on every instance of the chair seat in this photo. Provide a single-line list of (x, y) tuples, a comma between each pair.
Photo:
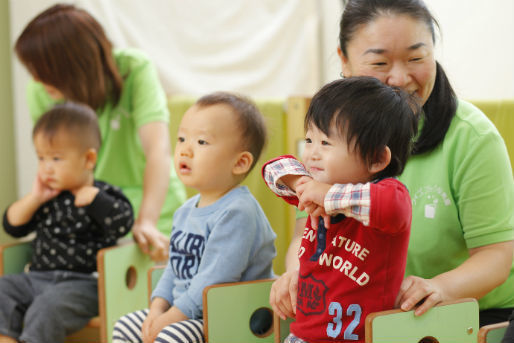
[(94, 322)]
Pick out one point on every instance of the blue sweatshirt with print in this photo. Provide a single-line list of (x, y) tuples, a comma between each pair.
[(228, 241)]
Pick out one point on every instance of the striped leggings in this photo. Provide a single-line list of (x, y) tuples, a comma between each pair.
[(128, 329)]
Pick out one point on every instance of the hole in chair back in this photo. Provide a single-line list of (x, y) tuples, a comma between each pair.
[(131, 277), (261, 322)]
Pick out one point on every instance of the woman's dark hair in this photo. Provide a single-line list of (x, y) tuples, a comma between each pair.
[(371, 115), (441, 105), (249, 119), (76, 120), (65, 47)]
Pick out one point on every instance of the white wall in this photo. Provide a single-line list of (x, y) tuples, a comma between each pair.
[(20, 13), (271, 48), (477, 46)]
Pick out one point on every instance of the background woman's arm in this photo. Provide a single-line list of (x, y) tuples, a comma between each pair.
[(156, 146)]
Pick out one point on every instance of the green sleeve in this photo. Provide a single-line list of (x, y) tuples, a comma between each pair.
[(300, 214), (148, 97), (484, 191), (38, 100)]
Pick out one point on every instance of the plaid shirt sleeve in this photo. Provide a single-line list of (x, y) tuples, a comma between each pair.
[(279, 168), (351, 200)]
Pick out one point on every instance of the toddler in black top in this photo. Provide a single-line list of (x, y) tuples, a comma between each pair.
[(73, 217)]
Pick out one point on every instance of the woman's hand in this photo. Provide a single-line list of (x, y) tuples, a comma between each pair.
[(486, 268), (150, 240), (414, 290), (283, 294)]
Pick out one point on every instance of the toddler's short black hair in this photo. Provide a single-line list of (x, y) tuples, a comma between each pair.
[(371, 115), (78, 121), (250, 120)]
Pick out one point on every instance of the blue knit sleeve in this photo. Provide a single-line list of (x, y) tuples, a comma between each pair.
[(164, 288)]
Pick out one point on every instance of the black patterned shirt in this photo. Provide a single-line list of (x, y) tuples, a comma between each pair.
[(68, 237)]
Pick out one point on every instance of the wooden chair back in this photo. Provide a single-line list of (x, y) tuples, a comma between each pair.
[(238, 312), (449, 322), (492, 333), (122, 285)]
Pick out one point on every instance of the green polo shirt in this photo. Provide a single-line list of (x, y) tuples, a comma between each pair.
[(462, 197)]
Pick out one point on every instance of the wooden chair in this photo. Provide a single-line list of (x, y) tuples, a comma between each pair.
[(245, 305), (492, 333), (238, 312), (154, 274), (122, 286), (449, 322)]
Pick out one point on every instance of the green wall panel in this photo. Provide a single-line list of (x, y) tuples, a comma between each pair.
[(8, 166)]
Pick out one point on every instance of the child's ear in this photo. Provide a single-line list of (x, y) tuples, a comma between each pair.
[(382, 162), (91, 157), (243, 163)]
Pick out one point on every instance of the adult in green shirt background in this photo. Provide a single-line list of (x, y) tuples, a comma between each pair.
[(71, 59), (459, 176)]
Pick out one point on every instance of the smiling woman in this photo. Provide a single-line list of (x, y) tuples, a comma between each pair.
[(406, 61)]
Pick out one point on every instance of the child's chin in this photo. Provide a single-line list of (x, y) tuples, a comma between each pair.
[(186, 182), (320, 177), (55, 187), (190, 185)]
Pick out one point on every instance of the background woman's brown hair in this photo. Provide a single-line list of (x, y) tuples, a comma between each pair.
[(65, 47)]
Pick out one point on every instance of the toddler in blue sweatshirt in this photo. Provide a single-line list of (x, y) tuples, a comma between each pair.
[(219, 235)]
